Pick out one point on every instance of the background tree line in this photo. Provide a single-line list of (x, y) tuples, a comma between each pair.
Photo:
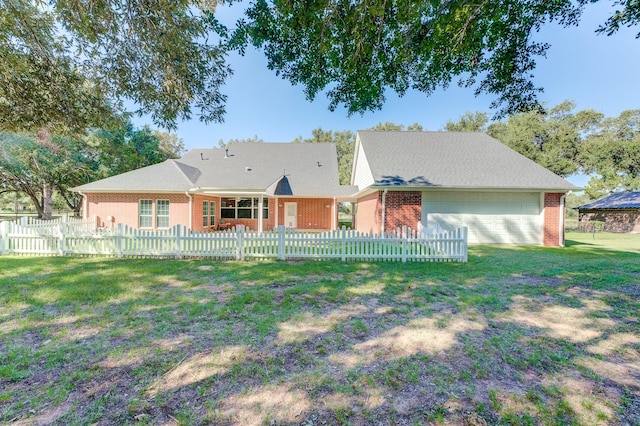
[(36, 166), (564, 141)]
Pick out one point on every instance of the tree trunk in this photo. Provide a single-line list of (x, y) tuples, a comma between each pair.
[(47, 201), (36, 201), (44, 138)]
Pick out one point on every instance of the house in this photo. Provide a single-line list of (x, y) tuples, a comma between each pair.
[(419, 179), (258, 185), (620, 212)]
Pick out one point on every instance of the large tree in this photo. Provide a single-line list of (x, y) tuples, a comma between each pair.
[(30, 166), (66, 62), (550, 137), (469, 122), (63, 58), (345, 142), (357, 50), (612, 155)]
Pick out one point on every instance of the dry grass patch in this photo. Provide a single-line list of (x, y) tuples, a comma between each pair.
[(516, 336)]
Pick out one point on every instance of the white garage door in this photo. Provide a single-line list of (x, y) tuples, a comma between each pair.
[(492, 217)]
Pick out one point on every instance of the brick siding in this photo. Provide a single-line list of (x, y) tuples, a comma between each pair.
[(553, 216), (369, 212), (123, 208), (622, 221), (312, 212), (402, 208)]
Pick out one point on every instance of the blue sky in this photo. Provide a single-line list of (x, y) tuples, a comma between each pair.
[(595, 71)]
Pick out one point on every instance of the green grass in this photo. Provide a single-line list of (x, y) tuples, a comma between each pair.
[(515, 336)]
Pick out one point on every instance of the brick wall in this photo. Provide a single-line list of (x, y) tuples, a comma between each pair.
[(615, 220), (369, 213), (553, 217), (312, 212), (124, 208), (402, 208)]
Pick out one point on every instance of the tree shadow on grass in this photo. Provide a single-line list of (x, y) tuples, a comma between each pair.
[(314, 342)]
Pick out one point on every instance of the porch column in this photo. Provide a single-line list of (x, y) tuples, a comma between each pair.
[(260, 207), (276, 224)]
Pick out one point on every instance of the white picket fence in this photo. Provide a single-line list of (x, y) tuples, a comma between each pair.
[(66, 238)]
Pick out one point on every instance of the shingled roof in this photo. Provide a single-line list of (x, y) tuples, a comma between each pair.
[(310, 170), (470, 160), (621, 200)]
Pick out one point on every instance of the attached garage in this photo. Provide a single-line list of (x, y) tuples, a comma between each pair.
[(456, 179), (491, 217)]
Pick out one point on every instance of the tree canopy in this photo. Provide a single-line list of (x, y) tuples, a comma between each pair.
[(36, 165), (67, 64), (568, 142), (70, 65), (357, 50)]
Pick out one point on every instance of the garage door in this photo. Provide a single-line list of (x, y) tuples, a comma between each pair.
[(492, 217)]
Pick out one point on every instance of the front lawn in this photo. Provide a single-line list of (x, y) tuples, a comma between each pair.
[(515, 336)]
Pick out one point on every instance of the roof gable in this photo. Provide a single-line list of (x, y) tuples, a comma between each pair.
[(451, 160), (167, 176)]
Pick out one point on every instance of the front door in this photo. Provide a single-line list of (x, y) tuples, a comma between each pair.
[(291, 215)]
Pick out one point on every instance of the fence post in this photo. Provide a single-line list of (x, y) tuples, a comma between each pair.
[(119, 235), (281, 242), (344, 243), (4, 237), (61, 232), (404, 244), (465, 244), (178, 232), (239, 242)]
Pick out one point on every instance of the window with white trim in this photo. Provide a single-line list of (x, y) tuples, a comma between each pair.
[(208, 213), (162, 213), (145, 213), (243, 208)]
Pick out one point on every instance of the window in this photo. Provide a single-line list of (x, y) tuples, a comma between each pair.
[(162, 213), (243, 208), (208, 213), (145, 214)]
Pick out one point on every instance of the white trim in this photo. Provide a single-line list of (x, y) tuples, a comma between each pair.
[(156, 216), (384, 212), (543, 213), (561, 222), (260, 212), (334, 214)]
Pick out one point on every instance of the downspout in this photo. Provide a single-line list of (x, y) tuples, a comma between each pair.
[(384, 210), (334, 216), (562, 215), (190, 209)]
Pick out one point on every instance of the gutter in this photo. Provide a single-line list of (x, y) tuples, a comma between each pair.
[(562, 218), (190, 209), (384, 210)]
